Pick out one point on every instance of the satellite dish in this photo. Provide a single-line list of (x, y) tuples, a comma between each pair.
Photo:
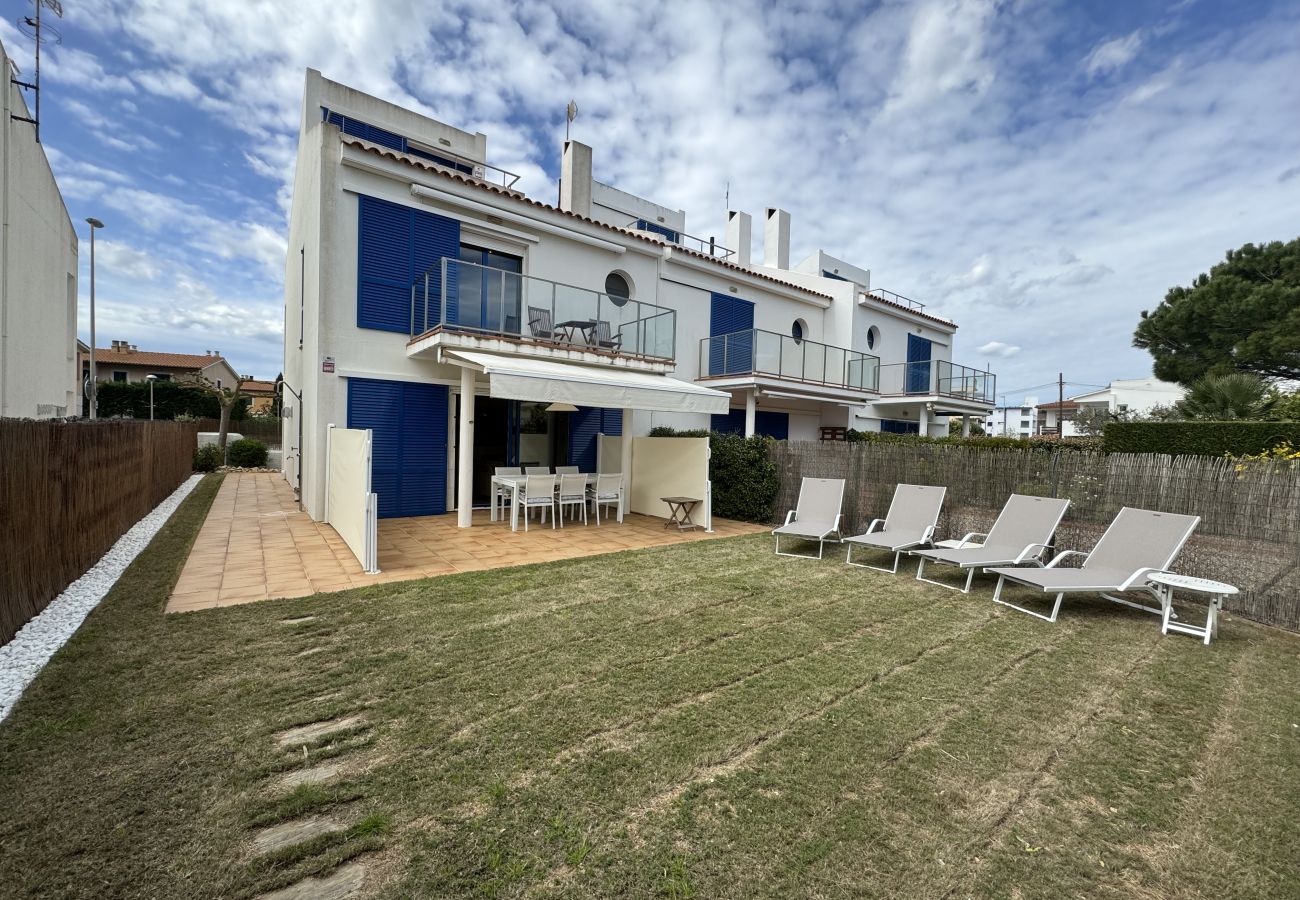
[(572, 110)]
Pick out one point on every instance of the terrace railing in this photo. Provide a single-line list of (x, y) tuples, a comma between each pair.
[(898, 299), (757, 352), (707, 246), (938, 377), (466, 297)]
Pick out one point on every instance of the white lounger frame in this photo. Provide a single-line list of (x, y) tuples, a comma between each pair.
[(821, 539), (1030, 554), (898, 549)]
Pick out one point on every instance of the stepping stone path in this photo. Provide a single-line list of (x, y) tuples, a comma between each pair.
[(343, 882), (314, 775), (286, 834), (305, 734)]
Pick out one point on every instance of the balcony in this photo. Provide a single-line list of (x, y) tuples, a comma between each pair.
[(758, 352), (456, 298), (896, 299), (938, 378), (707, 246)]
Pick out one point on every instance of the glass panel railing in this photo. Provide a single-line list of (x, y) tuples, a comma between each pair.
[(938, 377), (758, 352), (461, 296)]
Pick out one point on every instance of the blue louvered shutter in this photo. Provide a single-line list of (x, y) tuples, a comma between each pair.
[(918, 365), (395, 245), (436, 237), (728, 315), (365, 131), (409, 443), (584, 425), (766, 422)]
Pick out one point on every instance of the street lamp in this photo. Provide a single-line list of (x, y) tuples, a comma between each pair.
[(94, 224), (151, 379)]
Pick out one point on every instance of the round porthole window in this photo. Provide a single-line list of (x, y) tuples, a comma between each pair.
[(873, 337), (617, 288), (797, 330)]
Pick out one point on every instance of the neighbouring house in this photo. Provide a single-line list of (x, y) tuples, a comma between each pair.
[(261, 396), (1136, 396), (125, 362), (1058, 418), (422, 283), (38, 270), (1018, 421)]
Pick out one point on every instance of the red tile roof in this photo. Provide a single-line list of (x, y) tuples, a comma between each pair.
[(1068, 404), (190, 362), (253, 386)]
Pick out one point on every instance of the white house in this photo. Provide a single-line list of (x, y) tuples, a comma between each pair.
[(1020, 420), (38, 271), (428, 299), (1133, 395)]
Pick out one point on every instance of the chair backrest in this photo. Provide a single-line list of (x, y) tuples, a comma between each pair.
[(820, 500), (915, 507), (539, 320), (537, 470), (609, 485), (1141, 539), (573, 486), (566, 470), (539, 486), (1025, 520), (604, 335), (508, 470)]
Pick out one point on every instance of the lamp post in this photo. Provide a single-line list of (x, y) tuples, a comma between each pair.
[(151, 379), (94, 224)]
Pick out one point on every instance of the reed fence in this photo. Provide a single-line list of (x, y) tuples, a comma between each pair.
[(68, 491), (1249, 534)]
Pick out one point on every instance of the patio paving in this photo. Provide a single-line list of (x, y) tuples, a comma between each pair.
[(256, 545)]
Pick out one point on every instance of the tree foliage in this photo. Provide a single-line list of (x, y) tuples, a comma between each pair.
[(1242, 317), (171, 399), (1227, 398)]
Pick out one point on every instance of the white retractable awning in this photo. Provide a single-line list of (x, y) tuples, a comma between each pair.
[(547, 381)]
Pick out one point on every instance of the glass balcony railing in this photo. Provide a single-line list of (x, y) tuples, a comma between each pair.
[(758, 352), (466, 297), (938, 377)]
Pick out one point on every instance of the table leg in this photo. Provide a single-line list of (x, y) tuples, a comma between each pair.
[(514, 507)]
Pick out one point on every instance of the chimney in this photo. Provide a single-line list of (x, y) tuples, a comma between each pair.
[(740, 226), (776, 239), (575, 179)]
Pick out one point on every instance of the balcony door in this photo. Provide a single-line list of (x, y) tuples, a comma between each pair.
[(731, 344), (918, 365), (490, 290)]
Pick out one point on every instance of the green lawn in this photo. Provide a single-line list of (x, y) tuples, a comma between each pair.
[(701, 720)]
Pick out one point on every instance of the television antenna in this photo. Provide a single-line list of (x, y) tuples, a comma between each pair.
[(35, 28)]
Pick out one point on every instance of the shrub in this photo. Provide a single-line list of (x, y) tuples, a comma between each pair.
[(1199, 438), (247, 453), (207, 458), (744, 479), (985, 441)]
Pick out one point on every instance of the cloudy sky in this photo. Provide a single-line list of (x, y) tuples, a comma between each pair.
[(1038, 171)]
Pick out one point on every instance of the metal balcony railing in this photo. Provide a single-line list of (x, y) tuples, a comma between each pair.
[(938, 377), (891, 297), (458, 296), (707, 246), (758, 352)]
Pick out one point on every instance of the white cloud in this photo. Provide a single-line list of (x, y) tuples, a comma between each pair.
[(125, 260), (1113, 55), (998, 349)]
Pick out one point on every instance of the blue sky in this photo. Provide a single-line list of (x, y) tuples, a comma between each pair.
[(1038, 171)]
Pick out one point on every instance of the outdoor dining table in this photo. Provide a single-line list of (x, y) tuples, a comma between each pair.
[(573, 326), (515, 483), (679, 512)]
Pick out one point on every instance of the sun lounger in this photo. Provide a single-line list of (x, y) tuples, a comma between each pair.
[(815, 517), (1138, 543), (1022, 534), (910, 522)]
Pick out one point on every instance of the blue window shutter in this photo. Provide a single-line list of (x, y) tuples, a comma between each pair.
[(728, 315), (733, 422), (409, 443), (918, 368), (584, 425), (898, 426), (436, 237), (395, 244), (360, 129), (772, 424)]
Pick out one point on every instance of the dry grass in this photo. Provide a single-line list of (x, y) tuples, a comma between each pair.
[(703, 720)]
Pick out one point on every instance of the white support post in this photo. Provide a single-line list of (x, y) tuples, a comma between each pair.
[(465, 452), (965, 426), (923, 422), (751, 411), (625, 462)]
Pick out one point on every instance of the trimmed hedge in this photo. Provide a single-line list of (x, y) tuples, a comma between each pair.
[(986, 441), (745, 482), (1198, 438), (130, 400), (247, 453)]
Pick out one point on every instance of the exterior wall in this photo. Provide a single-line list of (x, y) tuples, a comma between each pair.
[(1135, 395), (38, 273)]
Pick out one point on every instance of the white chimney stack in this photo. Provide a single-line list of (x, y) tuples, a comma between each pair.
[(575, 179), (740, 226), (776, 239)]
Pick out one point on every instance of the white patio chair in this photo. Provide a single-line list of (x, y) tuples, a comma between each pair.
[(1138, 543), (1021, 534), (910, 522), (816, 515), (503, 494), (566, 470), (539, 493), (537, 470), (573, 493), (607, 491)]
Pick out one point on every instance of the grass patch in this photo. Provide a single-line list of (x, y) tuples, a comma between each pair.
[(700, 720)]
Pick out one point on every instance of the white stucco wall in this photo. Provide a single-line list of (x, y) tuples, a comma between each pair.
[(38, 274)]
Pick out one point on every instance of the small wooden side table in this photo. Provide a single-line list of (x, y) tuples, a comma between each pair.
[(1216, 590), (679, 512)]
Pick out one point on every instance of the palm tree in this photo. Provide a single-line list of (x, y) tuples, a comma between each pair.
[(1223, 398)]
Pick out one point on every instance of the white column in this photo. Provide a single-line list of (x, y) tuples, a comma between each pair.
[(923, 422), (465, 452), (625, 463), (751, 411), (965, 426)]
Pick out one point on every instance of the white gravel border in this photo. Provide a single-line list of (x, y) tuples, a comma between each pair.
[(22, 659)]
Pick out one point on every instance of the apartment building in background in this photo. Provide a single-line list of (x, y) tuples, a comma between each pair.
[(421, 282)]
